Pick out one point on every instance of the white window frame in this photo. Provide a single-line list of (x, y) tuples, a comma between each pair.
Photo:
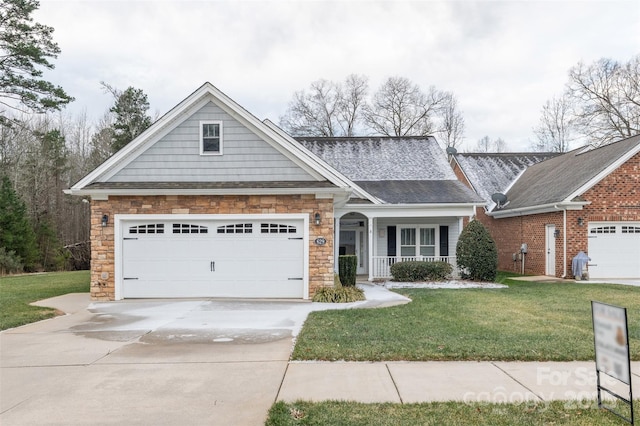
[(415, 244), (202, 124), (418, 240), (422, 244)]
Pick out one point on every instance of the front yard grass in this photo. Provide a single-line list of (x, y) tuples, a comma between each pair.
[(16, 292), (528, 321), (575, 413)]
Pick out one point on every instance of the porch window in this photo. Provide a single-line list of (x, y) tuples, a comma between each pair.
[(427, 241), (417, 241), (407, 242)]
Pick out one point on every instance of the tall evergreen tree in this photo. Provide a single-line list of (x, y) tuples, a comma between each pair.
[(131, 110), (16, 233), (25, 49)]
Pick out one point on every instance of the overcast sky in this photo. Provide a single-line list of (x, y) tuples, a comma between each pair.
[(502, 59)]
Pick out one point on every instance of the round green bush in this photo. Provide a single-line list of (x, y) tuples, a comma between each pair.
[(476, 253)]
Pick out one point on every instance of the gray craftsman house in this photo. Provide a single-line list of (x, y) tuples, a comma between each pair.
[(210, 201)]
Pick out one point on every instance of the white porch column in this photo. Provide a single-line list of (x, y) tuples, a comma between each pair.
[(336, 244), (371, 224)]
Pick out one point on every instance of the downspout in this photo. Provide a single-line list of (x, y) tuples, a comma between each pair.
[(564, 244), (336, 243), (564, 241), (370, 245)]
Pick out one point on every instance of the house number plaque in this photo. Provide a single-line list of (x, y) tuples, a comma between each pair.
[(320, 241)]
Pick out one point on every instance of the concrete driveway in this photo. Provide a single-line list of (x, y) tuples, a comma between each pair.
[(161, 362)]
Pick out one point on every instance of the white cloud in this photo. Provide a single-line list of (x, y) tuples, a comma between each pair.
[(503, 59)]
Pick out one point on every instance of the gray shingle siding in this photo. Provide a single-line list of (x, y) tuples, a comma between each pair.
[(176, 157)]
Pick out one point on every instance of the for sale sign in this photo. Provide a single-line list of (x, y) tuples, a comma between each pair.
[(611, 341)]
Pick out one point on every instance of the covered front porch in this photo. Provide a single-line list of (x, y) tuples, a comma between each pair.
[(381, 237)]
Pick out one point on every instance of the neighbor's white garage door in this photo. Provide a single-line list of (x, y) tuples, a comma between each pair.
[(614, 249), (209, 258)]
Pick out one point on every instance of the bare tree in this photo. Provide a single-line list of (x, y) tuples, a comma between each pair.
[(352, 101), (606, 95), (554, 131), (451, 126), (400, 108), (485, 144), (328, 109)]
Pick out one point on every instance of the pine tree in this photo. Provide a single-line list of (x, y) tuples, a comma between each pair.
[(16, 233), (26, 48)]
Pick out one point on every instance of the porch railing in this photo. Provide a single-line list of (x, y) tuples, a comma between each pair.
[(382, 264)]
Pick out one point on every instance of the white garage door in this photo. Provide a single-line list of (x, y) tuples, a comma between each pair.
[(213, 258), (614, 249)]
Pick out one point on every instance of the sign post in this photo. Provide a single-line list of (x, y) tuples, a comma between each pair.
[(611, 341)]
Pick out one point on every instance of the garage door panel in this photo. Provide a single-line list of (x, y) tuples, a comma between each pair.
[(614, 249), (264, 288), (208, 258)]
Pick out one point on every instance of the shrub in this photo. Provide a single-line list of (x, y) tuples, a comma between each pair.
[(420, 271), (338, 295), (9, 262), (347, 267), (476, 253)]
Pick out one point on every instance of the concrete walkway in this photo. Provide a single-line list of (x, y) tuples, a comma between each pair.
[(226, 362)]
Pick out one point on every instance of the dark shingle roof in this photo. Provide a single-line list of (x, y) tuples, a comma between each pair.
[(495, 172), (556, 179), (396, 170), (383, 158), (420, 191)]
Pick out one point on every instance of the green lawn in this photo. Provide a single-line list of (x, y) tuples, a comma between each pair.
[(576, 413), (526, 322), (16, 292)]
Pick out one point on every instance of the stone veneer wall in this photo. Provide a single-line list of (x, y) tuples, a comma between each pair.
[(102, 238)]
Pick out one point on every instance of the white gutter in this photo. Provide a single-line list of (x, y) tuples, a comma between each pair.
[(543, 208)]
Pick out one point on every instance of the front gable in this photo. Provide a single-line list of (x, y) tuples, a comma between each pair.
[(254, 157), (245, 156)]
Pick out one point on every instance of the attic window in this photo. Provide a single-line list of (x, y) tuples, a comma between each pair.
[(211, 138)]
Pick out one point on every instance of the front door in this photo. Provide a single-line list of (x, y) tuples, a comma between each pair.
[(551, 250), (353, 242)]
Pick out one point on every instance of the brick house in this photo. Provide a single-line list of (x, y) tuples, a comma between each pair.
[(212, 202), (559, 205)]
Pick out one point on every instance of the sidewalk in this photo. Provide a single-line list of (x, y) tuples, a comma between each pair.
[(467, 381)]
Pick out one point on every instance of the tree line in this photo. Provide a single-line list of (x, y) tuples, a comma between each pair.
[(398, 108), (43, 150)]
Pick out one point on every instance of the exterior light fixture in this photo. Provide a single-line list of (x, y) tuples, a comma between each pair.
[(316, 218), (556, 233), (580, 221), (105, 220)]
